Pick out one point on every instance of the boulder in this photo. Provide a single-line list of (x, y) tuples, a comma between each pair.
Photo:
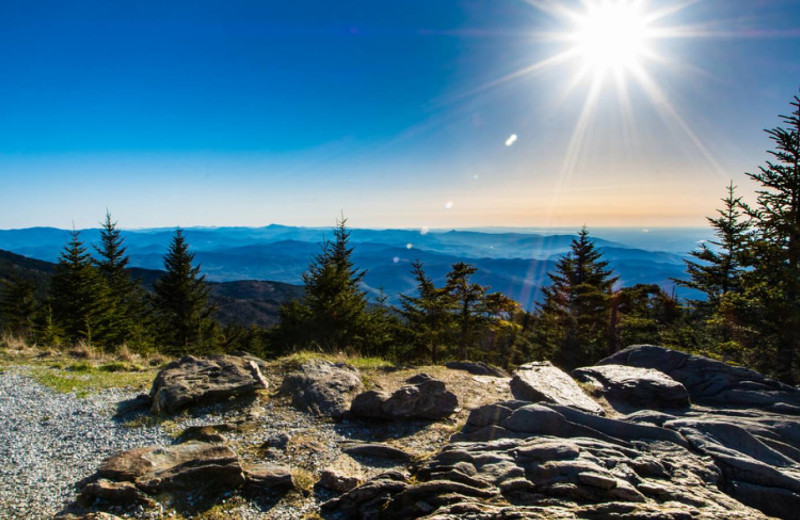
[(633, 388), (323, 388), (267, 476), (197, 381), (477, 368), (422, 397), (536, 382), (712, 382), (341, 475), (194, 467)]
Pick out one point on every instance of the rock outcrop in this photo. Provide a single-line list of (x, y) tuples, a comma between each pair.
[(712, 382), (631, 388), (422, 397), (535, 382), (548, 477), (195, 381), (323, 388)]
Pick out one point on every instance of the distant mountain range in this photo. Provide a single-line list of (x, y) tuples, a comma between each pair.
[(513, 262)]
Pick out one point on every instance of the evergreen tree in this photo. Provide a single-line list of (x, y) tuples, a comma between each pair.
[(573, 321), (182, 311), (428, 316), (773, 281), (468, 299), (80, 301), (18, 307), (126, 296), (332, 313), (719, 270)]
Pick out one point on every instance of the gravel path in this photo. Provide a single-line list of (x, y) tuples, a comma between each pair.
[(49, 441)]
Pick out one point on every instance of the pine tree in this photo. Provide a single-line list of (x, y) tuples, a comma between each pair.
[(80, 301), (468, 299), (573, 321), (332, 313), (719, 270), (427, 317), (18, 306), (126, 296), (773, 279), (182, 311)]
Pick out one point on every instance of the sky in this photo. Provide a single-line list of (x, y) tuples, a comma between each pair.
[(412, 113)]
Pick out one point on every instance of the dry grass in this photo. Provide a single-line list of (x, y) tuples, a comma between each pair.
[(360, 362)]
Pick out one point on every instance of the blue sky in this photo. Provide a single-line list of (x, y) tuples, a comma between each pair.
[(247, 113)]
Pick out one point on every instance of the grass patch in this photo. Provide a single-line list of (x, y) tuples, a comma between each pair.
[(303, 480), (360, 362), (84, 381)]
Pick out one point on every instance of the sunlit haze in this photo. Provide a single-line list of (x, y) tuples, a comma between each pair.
[(413, 114)]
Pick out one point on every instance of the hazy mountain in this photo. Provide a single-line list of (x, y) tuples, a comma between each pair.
[(513, 262)]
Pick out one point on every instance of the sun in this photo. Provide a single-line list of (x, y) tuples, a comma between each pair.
[(611, 36)]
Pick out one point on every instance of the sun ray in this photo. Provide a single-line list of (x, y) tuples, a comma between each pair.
[(669, 114)]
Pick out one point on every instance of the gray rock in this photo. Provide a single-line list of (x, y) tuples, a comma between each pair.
[(711, 382), (422, 397), (323, 388), (195, 381), (537, 382), (267, 476), (547, 478), (377, 450), (477, 368), (180, 468), (626, 387), (123, 493)]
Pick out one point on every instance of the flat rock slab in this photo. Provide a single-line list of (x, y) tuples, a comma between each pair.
[(422, 397), (536, 382), (323, 388), (268, 476), (189, 467), (377, 450), (197, 381), (633, 387)]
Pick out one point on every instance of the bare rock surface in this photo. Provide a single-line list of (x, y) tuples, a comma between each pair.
[(323, 388), (633, 388), (542, 381), (422, 397), (712, 382), (197, 381), (548, 477)]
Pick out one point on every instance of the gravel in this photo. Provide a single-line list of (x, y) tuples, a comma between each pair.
[(49, 441)]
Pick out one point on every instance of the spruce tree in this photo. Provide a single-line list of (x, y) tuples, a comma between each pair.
[(428, 317), (720, 267), (182, 311), (79, 298), (334, 299), (332, 314), (18, 306), (574, 319), (773, 279), (127, 296), (467, 299)]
